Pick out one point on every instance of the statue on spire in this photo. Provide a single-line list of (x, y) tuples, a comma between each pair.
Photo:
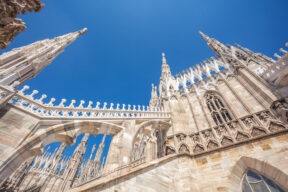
[(154, 97)]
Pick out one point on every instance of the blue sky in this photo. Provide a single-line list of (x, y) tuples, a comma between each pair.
[(120, 55)]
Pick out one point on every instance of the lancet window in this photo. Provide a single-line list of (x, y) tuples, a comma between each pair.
[(218, 110), (255, 182)]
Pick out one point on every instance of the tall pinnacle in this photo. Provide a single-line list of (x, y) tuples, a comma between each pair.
[(100, 150), (215, 45), (74, 165), (165, 67), (24, 63)]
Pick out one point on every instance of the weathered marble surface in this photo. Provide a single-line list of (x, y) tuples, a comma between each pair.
[(217, 171), (15, 127)]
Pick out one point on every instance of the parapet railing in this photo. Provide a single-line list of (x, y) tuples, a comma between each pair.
[(48, 110), (272, 72)]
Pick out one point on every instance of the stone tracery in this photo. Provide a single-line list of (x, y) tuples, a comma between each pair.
[(219, 112)]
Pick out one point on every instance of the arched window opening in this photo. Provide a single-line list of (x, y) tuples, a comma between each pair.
[(218, 110), (255, 182)]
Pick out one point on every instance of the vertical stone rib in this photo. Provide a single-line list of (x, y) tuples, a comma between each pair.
[(192, 111), (202, 108), (237, 96)]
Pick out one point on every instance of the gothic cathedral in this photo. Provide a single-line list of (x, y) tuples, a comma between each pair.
[(221, 125)]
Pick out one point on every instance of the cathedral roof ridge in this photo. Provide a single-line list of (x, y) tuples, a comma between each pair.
[(273, 71)]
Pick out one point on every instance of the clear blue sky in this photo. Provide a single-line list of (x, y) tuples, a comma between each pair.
[(120, 55)]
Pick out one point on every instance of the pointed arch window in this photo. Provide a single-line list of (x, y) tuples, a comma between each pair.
[(255, 182), (218, 110)]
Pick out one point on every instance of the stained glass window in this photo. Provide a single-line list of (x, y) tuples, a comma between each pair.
[(255, 182)]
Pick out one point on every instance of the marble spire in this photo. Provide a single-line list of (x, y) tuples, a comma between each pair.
[(166, 72), (24, 63), (100, 150), (74, 165)]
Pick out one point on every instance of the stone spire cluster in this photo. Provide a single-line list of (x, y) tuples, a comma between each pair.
[(228, 57), (71, 170), (237, 55), (92, 167), (10, 26)]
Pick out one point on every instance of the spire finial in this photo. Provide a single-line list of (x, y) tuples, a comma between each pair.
[(204, 36), (83, 31), (163, 58)]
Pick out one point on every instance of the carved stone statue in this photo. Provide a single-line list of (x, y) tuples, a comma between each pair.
[(281, 108)]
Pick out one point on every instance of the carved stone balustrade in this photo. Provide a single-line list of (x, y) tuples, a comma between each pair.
[(277, 73), (38, 108), (138, 161)]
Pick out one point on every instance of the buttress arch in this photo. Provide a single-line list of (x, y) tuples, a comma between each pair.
[(66, 133), (262, 167)]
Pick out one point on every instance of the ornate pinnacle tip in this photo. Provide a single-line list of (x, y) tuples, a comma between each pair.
[(203, 35), (163, 58), (83, 31)]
